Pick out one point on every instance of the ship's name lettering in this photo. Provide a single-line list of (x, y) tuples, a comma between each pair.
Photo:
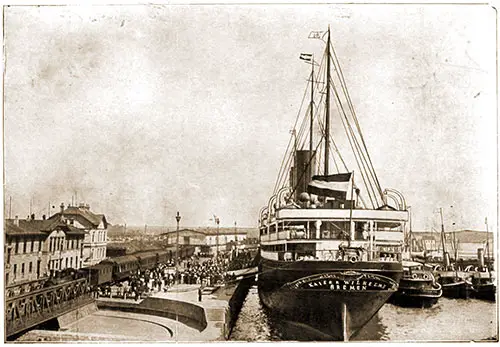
[(344, 285)]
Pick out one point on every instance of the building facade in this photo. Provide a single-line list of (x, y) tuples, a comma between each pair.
[(186, 237), (93, 225)]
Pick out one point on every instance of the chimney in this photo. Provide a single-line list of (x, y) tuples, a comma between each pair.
[(44, 217), (32, 216), (16, 221), (62, 207)]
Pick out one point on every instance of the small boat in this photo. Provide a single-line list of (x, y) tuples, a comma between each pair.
[(483, 285), (455, 284), (417, 288), (483, 282)]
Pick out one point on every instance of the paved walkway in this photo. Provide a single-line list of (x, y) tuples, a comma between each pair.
[(107, 325)]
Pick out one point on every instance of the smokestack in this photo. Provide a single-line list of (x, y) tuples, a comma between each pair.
[(446, 259), (480, 256), (16, 221)]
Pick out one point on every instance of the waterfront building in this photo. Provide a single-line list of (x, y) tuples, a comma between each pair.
[(465, 242), (186, 237), (225, 238), (95, 228), (206, 238)]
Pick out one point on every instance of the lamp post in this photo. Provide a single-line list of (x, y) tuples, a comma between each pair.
[(217, 221), (178, 219)]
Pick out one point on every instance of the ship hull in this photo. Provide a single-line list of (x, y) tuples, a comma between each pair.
[(457, 290), (410, 296), (336, 299), (484, 292)]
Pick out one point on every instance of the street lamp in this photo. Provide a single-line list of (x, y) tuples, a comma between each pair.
[(178, 219), (217, 221)]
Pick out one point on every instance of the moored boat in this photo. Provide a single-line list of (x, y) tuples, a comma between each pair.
[(329, 259), (483, 286), (417, 288), (483, 280), (455, 284)]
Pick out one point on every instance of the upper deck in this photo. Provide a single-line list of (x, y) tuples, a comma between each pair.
[(339, 215)]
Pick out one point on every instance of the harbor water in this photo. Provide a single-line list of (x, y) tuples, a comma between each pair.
[(448, 320)]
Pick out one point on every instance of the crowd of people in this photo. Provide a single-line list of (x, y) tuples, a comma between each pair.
[(205, 272)]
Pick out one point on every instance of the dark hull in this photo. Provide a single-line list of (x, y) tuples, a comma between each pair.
[(412, 297), (458, 290), (484, 292), (305, 293)]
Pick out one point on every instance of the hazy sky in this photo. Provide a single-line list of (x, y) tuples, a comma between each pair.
[(145, 110)]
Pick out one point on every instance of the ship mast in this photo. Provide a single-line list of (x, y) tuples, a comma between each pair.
[(311, 121), (327, 109), (442, 235)]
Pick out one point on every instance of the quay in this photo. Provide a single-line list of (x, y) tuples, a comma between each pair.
[(175, 315)]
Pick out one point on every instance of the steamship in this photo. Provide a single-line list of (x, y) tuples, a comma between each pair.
[(330, 246)]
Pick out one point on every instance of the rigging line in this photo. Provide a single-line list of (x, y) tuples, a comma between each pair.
[(339, 104), (352, 139), (361, 171), (359, 150), (291, 138), (282, 178), (356, 120), (301, 139), (362, 158), (285, 165), (337, 151), (370, 171)]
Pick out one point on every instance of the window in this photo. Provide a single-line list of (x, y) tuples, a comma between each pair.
[(22, 268), (24, 246), (15, 269), (70, 262), (31, 267), (17, 247), (66, 262), (33, 245)]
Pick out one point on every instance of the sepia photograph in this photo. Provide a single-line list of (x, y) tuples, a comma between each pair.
[(253, 172)]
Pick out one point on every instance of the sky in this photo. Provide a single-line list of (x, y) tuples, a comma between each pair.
[(145, 110)]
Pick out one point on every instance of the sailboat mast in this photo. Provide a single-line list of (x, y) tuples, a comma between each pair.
[(311, 121), (442, 234), (327, 108), (487, 241)]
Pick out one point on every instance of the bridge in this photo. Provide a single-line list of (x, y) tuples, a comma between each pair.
[(30, 309)]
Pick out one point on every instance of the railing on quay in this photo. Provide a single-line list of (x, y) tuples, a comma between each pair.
[(30, 309)]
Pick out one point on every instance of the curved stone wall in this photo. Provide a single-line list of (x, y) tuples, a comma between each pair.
[(185, 312)]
